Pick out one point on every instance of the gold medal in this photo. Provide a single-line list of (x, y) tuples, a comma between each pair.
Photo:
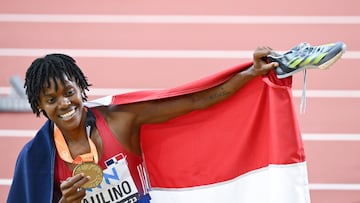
[(92, 170), (86, 163)]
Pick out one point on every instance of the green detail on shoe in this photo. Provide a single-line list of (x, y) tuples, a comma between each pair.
[(319, 57), (308, 60), (295, 62)]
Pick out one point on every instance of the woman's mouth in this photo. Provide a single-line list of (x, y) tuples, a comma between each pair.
[(68, 114)]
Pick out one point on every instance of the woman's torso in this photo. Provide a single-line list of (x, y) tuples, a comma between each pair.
[(111, 150)]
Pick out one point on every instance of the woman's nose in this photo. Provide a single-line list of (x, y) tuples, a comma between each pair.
[(65, 101)]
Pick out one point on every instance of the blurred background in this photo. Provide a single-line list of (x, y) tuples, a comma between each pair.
[(126, 45)]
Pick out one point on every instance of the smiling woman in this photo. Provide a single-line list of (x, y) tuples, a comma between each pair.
[(75, 135), (48, 72), (62, 102), (106, 137)]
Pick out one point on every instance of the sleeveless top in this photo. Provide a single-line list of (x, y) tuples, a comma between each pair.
[(112, 149)]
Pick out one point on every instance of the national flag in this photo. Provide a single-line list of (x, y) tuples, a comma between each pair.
[(247, 149)]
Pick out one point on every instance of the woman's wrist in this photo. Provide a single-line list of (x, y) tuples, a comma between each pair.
[(249, 72)]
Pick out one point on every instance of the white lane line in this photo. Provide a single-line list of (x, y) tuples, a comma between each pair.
[(333, 186), (5, 182), (17, 133), (306, 136), (139, 53), (328, 93), (312, 186), (330, 137), (126, 53), (183, 19), (297, 93), (93, 91)]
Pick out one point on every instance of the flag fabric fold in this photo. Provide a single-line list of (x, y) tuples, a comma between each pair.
[(245, 149)]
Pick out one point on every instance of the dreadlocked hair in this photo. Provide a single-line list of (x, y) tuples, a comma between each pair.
[(52, 67)]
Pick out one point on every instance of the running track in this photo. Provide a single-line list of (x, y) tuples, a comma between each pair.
[(145, 43)]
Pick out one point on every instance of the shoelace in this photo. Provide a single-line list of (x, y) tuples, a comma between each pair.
[(303, 49), (303, 95), (311, 50)]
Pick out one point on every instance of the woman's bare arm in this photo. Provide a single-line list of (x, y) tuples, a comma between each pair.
[(164, 109)]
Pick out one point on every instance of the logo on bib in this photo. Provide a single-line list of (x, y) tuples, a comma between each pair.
[(117, 186)]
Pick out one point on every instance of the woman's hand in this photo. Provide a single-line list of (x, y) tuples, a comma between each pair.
[(71, 189), (261, 67)]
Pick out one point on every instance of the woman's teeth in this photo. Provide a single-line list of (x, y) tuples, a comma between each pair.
[(68, 114)]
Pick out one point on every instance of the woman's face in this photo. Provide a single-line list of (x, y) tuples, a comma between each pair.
[(63, 106)]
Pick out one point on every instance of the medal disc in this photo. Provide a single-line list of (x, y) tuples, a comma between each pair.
[(92, 170)]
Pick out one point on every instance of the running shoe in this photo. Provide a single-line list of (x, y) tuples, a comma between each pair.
[(304, 56)]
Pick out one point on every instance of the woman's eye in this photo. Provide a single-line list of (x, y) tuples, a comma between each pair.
[(51, 100), (70, 92)]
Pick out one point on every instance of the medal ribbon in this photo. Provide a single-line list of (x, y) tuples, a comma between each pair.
[(64, 152)]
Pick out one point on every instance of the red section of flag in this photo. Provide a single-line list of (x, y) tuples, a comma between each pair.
[(254, 128)]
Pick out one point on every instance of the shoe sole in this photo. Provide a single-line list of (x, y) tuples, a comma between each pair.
[(323, 66)]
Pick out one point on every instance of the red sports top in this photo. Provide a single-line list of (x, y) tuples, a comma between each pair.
[(111, 148)]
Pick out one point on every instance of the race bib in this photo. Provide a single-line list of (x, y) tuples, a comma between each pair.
[(117, 186)]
